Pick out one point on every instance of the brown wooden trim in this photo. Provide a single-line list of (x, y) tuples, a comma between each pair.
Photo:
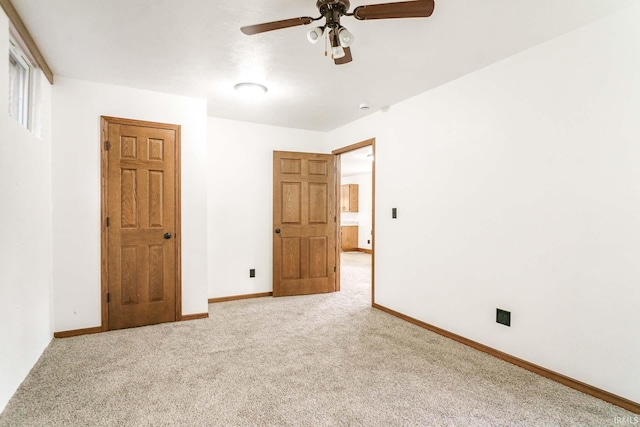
[(239, 297), (337, 160), (195, 316), (373, 222), (104, 243), (142, 123), (353, 147), (350, 250), (554, 376), (366, 251), (24, 34), (178, 215), (77, 332), (104, 236)]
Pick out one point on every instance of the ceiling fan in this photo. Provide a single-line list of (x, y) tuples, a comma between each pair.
[(337, 36)]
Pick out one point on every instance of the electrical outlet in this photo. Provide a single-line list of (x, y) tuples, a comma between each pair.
[(368, 242), (503, 317), (394, 213), (252, 272)]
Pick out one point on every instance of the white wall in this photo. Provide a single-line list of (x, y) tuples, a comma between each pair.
[(25, 247), (364, 214), (240, 204), (77, 107), (518, 187)]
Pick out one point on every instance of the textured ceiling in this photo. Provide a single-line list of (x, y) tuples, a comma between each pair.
[(195, 48)]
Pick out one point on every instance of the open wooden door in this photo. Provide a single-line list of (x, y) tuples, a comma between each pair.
[(304, 227)]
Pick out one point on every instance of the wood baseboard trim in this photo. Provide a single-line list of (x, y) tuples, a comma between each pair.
[(195, 316), (78, 332), (366, 251), (350, 250), (554, 376), (239, 297)]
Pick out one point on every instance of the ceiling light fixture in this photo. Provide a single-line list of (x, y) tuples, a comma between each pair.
[(333, 10), (337, 36), (315, 34), (250, 90), (337, 52), (336, 49), (345, 36)]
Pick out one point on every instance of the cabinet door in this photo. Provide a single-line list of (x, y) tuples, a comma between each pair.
[(349, 198), (353, 197), (344, 198), (349, 238)]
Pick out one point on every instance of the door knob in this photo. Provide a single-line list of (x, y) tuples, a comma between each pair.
[(277, 231), (167, 235)]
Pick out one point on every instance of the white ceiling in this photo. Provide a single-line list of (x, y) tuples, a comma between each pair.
[(195, 48)]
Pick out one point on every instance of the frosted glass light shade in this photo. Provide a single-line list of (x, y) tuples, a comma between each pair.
[(345, 36), (250, 90), (338, 52), (315, 34)]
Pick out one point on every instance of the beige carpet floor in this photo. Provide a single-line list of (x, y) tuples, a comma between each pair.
[(322, 360)]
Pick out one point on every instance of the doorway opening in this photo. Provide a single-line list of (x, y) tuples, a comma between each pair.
[(355, 200)]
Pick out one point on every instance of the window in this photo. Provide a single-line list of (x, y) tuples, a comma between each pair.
[(19, 84)]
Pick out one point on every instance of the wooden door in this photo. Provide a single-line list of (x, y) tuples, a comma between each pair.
[(141, 230), (304, 228)]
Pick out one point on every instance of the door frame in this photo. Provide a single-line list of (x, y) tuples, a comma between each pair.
[(337, 152), (104, 187)]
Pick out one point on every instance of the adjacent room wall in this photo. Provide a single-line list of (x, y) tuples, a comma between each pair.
[(25, 247), (518, 187), (77, 107), (364, 214), (240, 204)]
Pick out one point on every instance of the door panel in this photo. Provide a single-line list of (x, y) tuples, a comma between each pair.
[(141, 206), (304, 214)]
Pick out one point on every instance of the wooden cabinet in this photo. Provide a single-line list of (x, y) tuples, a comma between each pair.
[(349, 198), (349, 237)]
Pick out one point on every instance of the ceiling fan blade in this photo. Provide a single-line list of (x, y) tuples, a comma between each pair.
[(403, 9), (346, 58), (276, 25)]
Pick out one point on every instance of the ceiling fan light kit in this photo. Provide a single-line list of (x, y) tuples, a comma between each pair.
[(341, 38)]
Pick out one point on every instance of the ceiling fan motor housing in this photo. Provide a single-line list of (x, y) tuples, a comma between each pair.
[(332, 10)]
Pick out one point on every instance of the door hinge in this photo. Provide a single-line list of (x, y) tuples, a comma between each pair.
[(107, 145), (108, 297), (108, 222)]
